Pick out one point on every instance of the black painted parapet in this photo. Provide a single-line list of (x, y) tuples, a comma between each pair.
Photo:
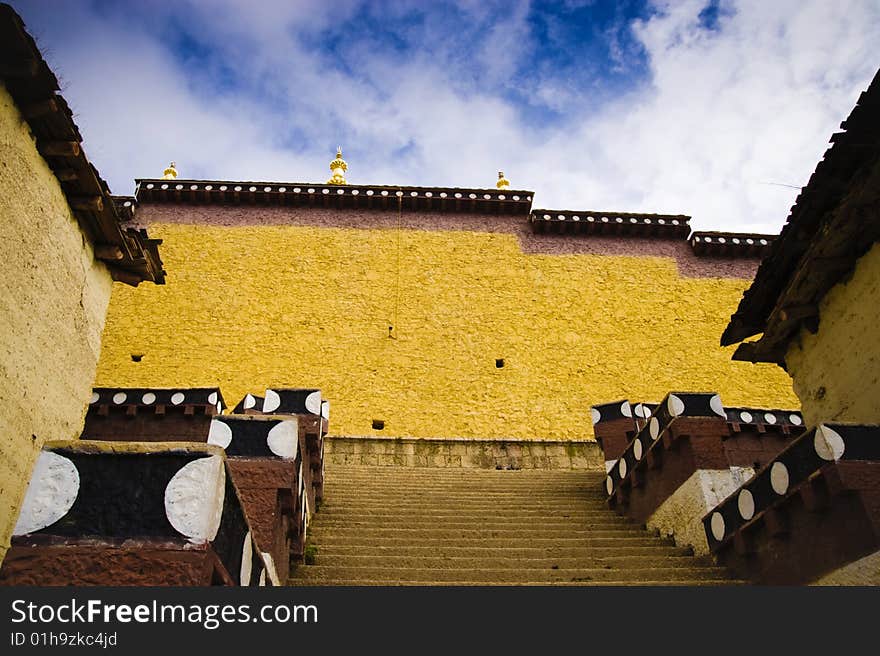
[(810, 511), (151, 414), (105, 508)]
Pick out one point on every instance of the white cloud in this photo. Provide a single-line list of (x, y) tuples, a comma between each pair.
[(722, 113)]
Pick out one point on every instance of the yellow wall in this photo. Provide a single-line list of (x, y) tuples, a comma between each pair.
[(53, 298), (250, 307), (836, 372)]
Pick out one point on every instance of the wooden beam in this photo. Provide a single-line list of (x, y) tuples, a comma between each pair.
[(795, 312), (59, 148), (121, 275), (19, 69), (86, 203), (39, 108), (108, 252), (67, 175)]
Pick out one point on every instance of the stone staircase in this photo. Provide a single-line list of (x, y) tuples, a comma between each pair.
[(388, 525)]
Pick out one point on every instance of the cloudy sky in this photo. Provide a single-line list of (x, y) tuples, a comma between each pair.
[(719, 110)]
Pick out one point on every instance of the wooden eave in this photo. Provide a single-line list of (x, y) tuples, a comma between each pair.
[(310, 194), (129, 254), (833, 223), (730, 244), (592, 222)]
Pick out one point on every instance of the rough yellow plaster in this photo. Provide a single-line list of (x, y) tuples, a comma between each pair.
[(836, 372), (250, 307), (53, 298)]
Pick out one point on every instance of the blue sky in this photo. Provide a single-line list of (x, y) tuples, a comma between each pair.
[(703, 108)]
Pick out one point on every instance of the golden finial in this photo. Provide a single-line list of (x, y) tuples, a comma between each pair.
[(338, 167), (503, 183), (170, 173)]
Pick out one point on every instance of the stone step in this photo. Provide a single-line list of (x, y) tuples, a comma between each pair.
[(485, 523), (451, 506), (469, 489), (439, 472), (501, 552), (341, 539), (441, 514), (310, 573), (509, 562), (318, 533), (609, 583)]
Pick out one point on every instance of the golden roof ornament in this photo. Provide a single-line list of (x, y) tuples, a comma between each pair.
[(338, 167), (503, 183), (170, 173)]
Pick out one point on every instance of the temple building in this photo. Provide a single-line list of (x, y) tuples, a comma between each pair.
[(519, 395), (431, 311)]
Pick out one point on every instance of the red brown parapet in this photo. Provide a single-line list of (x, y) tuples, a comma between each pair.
[(614, 428), (348, 197), (690, 455), (811, 515), (313, 413), (152, 414), (590, 222), (265, 460), (105, 513), (730, 244)]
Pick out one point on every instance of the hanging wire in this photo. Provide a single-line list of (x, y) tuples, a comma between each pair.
[(393, 326)]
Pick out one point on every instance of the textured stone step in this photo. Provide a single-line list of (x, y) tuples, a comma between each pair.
[(499, 516), (486, 524), (519, 534), (469, 491), (341, 539), (609, 583), (424, 526), (450, 472), (309, 573), (503, 551), (392, 506), (506, 562)]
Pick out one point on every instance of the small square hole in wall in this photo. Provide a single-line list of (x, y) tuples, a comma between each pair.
[(499, 363), (378, 424), (137, 357)]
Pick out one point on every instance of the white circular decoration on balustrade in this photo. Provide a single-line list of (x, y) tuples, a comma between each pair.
[(272, 401), (249, 401), (654, 428), (717, 526), (625, 409), (795, 419), (675, 405), (828, 443), (313, 403), (637, 449), (148, 399), (745, 502), (220, 433), (119, 398), (621, 468), (50, 495), (717, 406), (779, 477), (609, 485), (178, 397), (247, 560), (597, 416), (194, 499), (283, 439)]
